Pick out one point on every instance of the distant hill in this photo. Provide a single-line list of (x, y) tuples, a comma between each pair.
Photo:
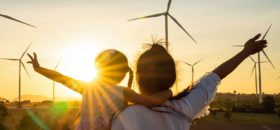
[(68, 98), (39, 98)]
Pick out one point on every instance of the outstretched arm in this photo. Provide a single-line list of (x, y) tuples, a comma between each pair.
[(147, 100), (69, 82), (252, 46)]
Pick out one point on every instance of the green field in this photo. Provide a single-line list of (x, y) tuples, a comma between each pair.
[(65, 120), (240, 121)]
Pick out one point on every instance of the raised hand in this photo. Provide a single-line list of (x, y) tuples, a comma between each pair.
[(34, 61), (253, 46)]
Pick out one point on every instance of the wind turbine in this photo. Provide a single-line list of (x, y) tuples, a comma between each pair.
[(192, 66), (20, 64), (11, 18), (256, 76), (54, 81), (259, 64), (166, 14)]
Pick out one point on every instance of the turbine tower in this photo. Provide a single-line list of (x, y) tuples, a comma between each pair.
[(20, 64), (259, 64), (192, 66), (256, 75), (166, 14), (54, 81), (11, 18)]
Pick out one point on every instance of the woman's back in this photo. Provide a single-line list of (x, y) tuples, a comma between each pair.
[(174, 114)]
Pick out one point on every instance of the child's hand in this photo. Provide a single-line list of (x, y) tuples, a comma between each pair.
[(34, 61), (253, 46)]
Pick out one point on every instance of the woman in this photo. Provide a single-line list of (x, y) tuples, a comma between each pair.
[(156, 72)]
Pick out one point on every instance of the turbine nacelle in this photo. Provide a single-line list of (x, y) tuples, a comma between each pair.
[(166, 14)]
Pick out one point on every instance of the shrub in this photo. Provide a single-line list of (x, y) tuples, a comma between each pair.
[(213, 112), (278, 112), (228, 114), (268, 104), (3, 111), (2, 127), (27, 123)]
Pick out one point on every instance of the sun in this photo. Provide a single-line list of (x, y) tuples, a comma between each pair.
[(78, 59)]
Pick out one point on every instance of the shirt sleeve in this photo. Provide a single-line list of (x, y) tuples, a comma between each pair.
[(199, 97)]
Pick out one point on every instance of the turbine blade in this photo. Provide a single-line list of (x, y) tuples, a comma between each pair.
[(197, 62), (168, 5), (238, 45), (252, 59), (149, 16), (181, 27), (25, 69), (57, 64), (268, 59), (266, 31), (186, 63), (25, 50), (11, 18), (9, 59), (253, 69)]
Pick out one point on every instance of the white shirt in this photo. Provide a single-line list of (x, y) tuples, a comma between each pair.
[(138, 117), (100, 103)]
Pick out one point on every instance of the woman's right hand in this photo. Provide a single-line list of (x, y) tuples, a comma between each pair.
[(34, 61), (253, 46)]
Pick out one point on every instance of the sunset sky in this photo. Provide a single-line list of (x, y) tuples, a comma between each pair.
[(76, 31)]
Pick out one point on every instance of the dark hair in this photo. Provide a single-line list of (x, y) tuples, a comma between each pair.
[(112, 65), (155, 70)]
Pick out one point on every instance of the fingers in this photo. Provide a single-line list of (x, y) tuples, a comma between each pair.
[(260, 45), (261, 42), (29, 62), (30, 56), (256, 37), (35, 56)]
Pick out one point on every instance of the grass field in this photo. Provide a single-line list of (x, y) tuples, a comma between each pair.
[(56, 117), (238, 121)]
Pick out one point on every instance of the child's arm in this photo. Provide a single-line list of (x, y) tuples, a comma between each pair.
[(147, 100), (53, 75)]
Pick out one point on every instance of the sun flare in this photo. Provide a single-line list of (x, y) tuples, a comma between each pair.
[(79, 57)]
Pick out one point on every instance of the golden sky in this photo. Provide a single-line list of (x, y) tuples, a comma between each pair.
[(75, 31)]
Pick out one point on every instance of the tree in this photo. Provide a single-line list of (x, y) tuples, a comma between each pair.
[(268, 104), (3, 115)]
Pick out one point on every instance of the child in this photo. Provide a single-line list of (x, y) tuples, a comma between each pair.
[(102, 97)]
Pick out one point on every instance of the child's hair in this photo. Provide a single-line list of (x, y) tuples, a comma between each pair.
[(155, 70), (112, 65)]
